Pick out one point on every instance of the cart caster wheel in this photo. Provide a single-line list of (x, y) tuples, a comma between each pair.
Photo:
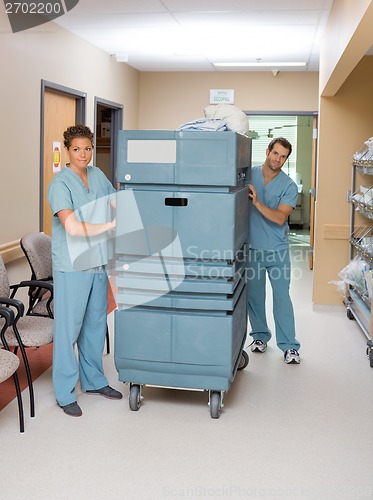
[(134, 397), (244, 361), (215, 404), (350, 315)]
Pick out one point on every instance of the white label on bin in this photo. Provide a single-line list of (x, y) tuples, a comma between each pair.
[(151, 151), (126, 267), (127, 177)]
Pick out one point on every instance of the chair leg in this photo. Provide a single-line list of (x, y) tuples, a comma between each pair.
[(107, 340), (29, 378), (20, 404)]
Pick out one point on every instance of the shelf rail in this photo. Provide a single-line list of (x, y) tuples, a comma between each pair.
[(362, 200), (362, 240), (363, 160)]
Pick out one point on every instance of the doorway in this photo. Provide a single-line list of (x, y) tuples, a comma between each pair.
[(108, 121), (60, 108), (301, 130)]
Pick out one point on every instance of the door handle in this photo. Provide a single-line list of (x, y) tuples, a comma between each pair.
[(176, 202)]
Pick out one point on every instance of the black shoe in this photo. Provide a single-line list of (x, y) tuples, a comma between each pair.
[(73, 409), (107, 391)]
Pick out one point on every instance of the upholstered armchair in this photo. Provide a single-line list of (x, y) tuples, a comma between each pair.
[(37, 248), (9, 362), (24, 331)]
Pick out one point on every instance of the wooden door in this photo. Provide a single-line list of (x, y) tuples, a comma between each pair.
[(59, 113)]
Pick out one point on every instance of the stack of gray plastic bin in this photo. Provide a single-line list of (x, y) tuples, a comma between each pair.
[(182, 217)]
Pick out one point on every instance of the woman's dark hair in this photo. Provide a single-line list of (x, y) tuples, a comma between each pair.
[(76, 131), (284, 143)]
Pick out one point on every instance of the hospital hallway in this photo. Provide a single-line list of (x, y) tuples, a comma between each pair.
[(285, 431)]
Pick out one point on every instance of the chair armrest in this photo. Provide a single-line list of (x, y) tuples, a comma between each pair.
[(35, 283), (14, 303), (7, 314)]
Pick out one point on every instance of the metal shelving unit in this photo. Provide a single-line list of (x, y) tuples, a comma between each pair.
[(358, 302)]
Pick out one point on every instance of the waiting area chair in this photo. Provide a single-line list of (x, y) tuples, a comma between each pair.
[(9, 362), (37, 248), (25, 330)]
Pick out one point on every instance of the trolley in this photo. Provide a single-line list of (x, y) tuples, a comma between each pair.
[(182, 215)]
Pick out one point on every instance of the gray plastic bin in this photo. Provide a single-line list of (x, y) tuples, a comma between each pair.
[(183, 158), (180, 349), (208, 225)]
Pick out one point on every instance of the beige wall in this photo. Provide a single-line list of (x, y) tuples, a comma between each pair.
[(347, 39), (345, 122), (50, 53), (168, 100)]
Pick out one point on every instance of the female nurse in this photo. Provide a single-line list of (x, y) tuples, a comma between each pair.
[(82, 201)]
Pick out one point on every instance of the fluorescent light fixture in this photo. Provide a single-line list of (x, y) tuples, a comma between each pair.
[(260, 64)]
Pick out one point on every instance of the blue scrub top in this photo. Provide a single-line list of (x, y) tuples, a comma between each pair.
[(67, 191), (282, 190)]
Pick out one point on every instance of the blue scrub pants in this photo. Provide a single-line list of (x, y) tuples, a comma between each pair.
[(277, 266), (80, 317)]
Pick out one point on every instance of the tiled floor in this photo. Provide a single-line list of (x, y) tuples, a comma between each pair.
[(285, 432)]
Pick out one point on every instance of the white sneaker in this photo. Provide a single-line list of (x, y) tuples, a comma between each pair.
[(258, 345), (291, 356)]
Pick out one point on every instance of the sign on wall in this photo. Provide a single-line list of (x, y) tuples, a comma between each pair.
[(221, 96), (56, 156)]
